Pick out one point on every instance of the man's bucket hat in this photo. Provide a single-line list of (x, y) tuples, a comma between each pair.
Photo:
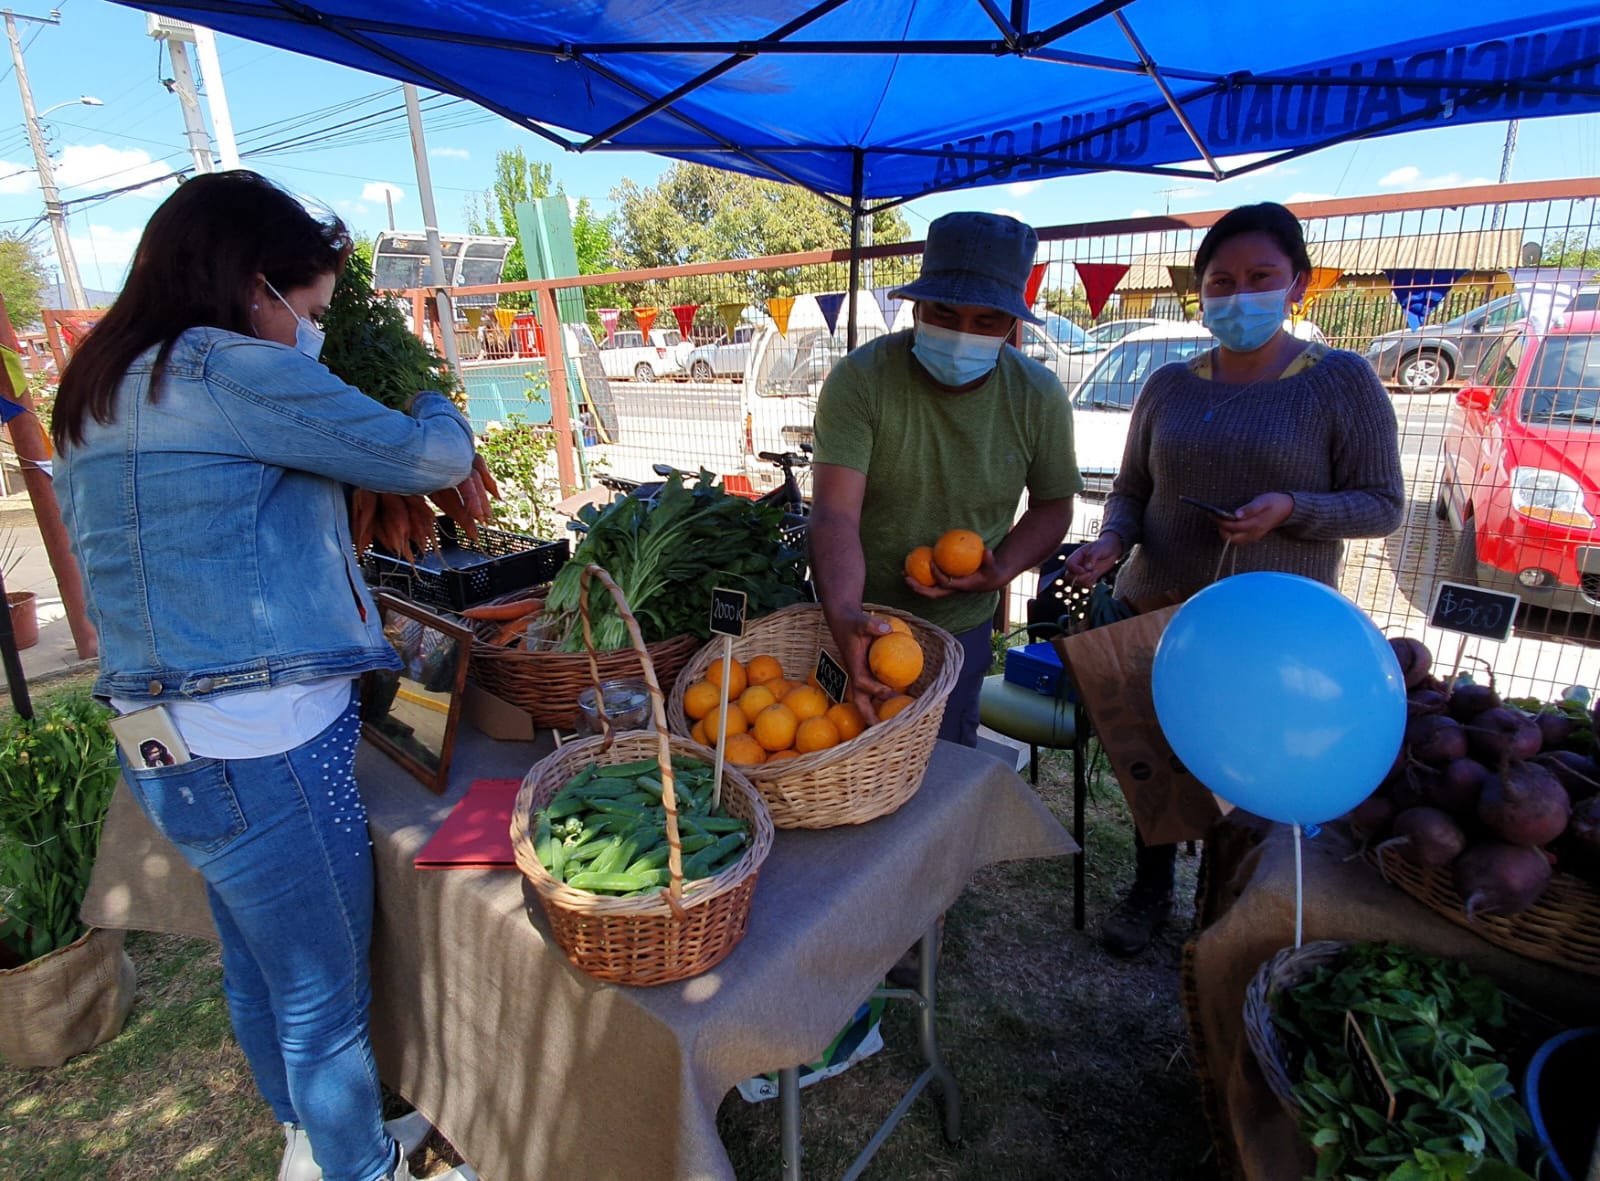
[(979, 259)]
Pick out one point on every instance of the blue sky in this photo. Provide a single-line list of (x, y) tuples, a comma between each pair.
[(102, 50)]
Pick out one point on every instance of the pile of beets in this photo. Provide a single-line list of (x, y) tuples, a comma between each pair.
[(1501, 792)]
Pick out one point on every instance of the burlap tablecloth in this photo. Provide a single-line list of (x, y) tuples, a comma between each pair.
[(1247, 914), (532, 1069)]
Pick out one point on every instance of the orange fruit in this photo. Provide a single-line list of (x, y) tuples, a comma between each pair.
[(807, 701), (919, 565), (775, 727), (736, 678), (737, 723), (895, 660), (816, 734), (776, 755), (698, 733), (958, 553), (701, 698), (846, 719), (896, 624), (780, 687), (755, 699), (744, 750), (762, 669), (893, 706)]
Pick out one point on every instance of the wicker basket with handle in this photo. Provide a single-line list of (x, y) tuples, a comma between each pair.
[(681, 930), (866, 777), (546, 684), (1562, 928)]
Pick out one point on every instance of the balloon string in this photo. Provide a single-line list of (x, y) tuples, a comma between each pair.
[(1299, 890), (1223, 557)]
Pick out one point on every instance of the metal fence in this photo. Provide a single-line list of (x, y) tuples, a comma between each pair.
[(1475, 245)]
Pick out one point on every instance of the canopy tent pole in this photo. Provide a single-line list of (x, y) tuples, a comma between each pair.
[(430, 224), (857, 177), (1178, 113)]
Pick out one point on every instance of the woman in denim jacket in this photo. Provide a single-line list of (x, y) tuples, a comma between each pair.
[(204, 454)]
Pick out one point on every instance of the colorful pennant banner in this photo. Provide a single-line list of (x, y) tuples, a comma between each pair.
[(1419, 291), (779, 306), (730, 314), (1099, 280), (608, 320), (685, 315), (830, 302), (646, 318), (1035, 281)]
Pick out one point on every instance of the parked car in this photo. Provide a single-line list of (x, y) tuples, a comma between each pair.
[(1061, 346), (1105, 335), (1418, 359), (722, 357), (1586, 299), (1520, 475), (628, 354)]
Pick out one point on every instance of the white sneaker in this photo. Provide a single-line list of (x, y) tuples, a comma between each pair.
[(298, 1163)]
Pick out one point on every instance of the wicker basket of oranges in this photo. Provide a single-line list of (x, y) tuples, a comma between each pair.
[(817, 764)]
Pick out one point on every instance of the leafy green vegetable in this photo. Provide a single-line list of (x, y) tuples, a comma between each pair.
[(369, 346), (1456, 1115), (668, 555)]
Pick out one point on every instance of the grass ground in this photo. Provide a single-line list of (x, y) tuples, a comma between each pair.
[(1072, 1064)]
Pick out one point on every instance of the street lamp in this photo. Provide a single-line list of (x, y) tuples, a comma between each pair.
[(86, 100)]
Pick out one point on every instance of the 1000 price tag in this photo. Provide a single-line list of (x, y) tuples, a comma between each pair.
[(1473, 611)]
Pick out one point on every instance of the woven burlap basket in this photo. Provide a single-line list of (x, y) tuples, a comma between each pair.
[(1562, 928), (546, 684), (683, 929), (868, 776)]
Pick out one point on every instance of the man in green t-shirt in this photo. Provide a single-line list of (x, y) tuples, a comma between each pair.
[(943, 427)]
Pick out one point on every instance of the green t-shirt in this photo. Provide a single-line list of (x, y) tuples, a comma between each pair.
[(936, 460)]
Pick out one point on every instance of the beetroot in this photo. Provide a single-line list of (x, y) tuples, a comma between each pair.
[(1458, 786), (1555, 728), (1469, 700), (1370, 819), (1426, 837), (1425, 701), (1501, 879), (1435, 739), (1579, 774), (1524, 805), (1415, 659), (1498, 734)]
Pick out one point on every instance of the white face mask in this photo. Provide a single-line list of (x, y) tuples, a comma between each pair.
[(955, 358), (308, 337)]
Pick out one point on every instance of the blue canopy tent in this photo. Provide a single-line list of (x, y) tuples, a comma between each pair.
[(875, 102)]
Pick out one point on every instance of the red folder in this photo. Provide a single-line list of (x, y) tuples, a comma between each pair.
[(477, 833)]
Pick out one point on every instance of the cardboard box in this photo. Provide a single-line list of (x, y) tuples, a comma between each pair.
[(496, 717)]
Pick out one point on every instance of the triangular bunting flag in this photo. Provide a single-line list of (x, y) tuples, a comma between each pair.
[(1099, 280), (886, 305), (685, 314), (780, 306), (1420, 291), (1321, 282), (506, 317), (1035, 281), (646, 318), (830, 302), (1182, 280), (608, 320), (730, 314)]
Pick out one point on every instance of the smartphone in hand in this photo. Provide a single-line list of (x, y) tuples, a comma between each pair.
[(1210, 509)]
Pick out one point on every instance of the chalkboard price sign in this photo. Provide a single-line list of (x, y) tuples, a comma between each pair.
[(727, 612), (1473, 611), (1364, 1067), (832, 678)]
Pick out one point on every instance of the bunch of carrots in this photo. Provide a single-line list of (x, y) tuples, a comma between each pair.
[(514, 617), (404, 525)]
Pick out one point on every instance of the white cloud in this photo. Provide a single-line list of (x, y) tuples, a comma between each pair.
[(17, 178), (374, 191), (99, 167), (353, 207), (451, 153), (1008, 213), (1409, 178), (104, 254), (1022, 188)]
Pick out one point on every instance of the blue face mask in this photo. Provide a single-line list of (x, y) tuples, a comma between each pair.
[(1244, 322), (955, 358), (308, 337)]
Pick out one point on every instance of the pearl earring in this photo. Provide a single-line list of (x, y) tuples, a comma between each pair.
[(255, 307)]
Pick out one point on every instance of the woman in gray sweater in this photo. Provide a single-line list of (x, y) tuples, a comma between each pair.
[(1296, 441)]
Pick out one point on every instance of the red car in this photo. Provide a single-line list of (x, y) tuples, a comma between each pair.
[(1521, 468)]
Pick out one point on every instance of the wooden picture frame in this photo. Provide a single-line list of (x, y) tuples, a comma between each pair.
[(412, 715)]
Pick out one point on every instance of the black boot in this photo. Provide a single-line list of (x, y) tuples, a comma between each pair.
[(1148, 905)]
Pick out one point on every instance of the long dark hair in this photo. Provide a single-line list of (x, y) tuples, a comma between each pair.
[(1267, 218), (196, 266)]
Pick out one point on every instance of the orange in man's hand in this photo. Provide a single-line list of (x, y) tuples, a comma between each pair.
[(958, 553), (919, 565)]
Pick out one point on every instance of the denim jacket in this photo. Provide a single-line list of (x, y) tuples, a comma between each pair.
[(211, 524)]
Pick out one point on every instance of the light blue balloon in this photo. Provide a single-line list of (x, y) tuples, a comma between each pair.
[(1280, 696)]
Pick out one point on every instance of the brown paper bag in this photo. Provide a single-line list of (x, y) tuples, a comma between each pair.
[(1111, 668)]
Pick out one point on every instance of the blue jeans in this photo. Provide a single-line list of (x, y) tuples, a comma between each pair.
[(282, 844), (960, 722)]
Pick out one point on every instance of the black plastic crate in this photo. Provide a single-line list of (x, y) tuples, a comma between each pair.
[(460, 573)]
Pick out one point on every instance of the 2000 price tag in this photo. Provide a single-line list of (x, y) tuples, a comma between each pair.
[(1473, 611), (727, 612)]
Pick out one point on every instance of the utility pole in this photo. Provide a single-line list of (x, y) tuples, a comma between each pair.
[(176, 34), (430, 225), (41, 158), (205, 48), (388, 200), (1505, 170)]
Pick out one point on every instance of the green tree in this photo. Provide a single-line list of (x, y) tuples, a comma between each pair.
[(516, 180), (1571, 249), (22, 281), (1069, 302)]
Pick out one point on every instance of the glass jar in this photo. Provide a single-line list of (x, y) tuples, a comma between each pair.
[(627, 705)]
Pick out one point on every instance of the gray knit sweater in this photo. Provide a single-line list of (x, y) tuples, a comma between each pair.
[(1325, 435)]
